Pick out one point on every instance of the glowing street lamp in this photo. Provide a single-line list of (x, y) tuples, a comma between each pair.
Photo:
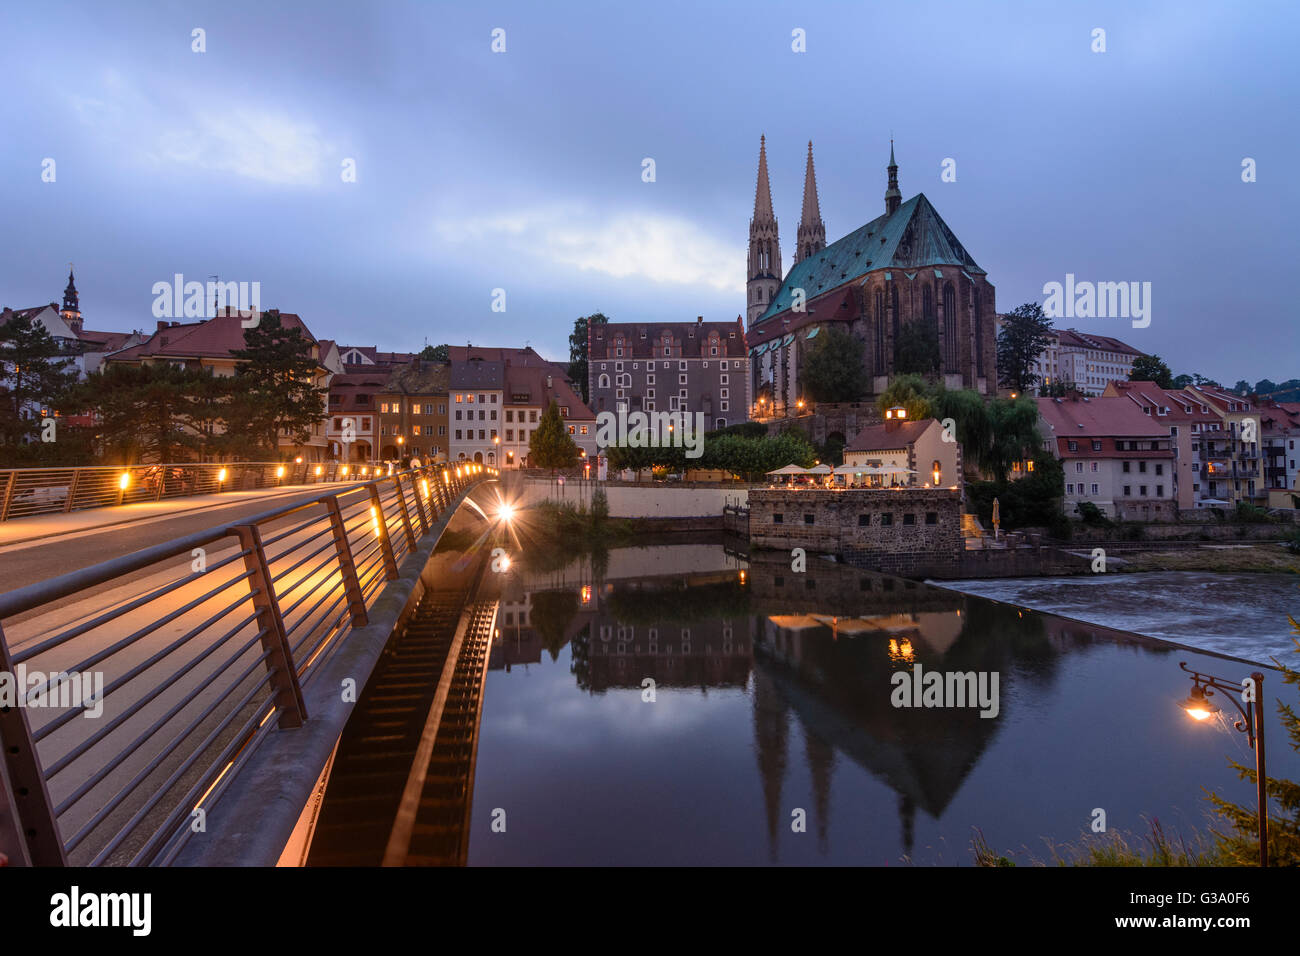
[(1200, 708), (221, 478)]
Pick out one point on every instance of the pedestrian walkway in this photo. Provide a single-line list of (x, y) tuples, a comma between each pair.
[(21, 530)]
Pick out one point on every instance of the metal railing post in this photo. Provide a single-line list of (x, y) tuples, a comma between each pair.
[(9, 494), (416, 490), (33, 811), (72, 490), (284, 677), (406, 517), (347, 566), (385, 545)]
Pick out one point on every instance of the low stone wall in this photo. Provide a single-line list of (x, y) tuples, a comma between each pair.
[(627, 500), (1008, 563), (859, 520)]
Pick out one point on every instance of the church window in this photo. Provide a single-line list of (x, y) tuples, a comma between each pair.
[(951, 324)]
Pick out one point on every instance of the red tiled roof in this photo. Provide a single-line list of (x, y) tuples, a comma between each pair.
[(218, 336), (1101, 417), (1100, 343), (530, 380), (688, 339), (889, 437)]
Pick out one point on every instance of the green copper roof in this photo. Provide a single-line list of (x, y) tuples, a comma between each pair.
[(913, 237)]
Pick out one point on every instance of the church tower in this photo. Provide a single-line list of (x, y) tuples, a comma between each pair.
[(893, 198), (764, 245), (812, 231), (71, 310)]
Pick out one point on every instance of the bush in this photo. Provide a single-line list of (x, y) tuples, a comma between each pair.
[(1251, 514), (1292, 542), (1092, 516)]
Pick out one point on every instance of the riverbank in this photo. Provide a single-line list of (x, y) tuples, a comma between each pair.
[(1265, 558)]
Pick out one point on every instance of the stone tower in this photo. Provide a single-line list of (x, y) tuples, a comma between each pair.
[(893, 198), (71, 310), (764, 245), (812, 231)]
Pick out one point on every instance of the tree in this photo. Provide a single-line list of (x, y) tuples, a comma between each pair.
[(275, 388), (917, 348), (1058, 389), (1025, 333), (1242, 846), (36, 376), (832, 368), (551, 446), (1014, 428), (436, 353), (1242, 387), (578, 350), (1150, 368), (152, 413)]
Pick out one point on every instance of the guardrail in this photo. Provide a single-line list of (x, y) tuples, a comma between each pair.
[(199, 647), (25, 492)]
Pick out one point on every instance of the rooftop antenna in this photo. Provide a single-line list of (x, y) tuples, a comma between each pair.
[(215, 293)]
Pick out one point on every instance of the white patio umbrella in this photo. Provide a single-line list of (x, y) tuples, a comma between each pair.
[(818, 470), (788, 470)]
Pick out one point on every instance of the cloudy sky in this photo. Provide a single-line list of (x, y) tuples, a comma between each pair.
[(522, 170)]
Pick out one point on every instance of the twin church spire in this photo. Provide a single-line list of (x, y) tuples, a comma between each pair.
[(764, 278)]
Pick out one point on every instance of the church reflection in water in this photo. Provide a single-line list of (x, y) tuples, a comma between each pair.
[(819, 646)]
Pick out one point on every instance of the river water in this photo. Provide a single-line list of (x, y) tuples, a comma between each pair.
[(771, 734), (1242, 615)]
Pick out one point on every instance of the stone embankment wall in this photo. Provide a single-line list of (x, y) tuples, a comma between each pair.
[(632, 500), (843, 522)]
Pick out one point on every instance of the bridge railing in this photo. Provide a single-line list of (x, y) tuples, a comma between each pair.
[(25, 492), (144, 683)]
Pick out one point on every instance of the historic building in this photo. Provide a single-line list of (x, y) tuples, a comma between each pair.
[(690, 367), (902, 279)]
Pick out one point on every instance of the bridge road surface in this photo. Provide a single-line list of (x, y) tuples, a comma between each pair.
[(40, 559)]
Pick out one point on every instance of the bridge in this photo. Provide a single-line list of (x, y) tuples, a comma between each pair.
[(155, 689)]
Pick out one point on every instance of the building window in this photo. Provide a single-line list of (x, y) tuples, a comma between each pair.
[(864, 521), (1074, 446), (1128, 491), (932, 517), (1094, 489), (807, 519), (909, 518), (778, 517), (886, 518)]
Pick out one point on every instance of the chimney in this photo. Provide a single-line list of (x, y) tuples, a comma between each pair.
[(162, 324), (699, 320)]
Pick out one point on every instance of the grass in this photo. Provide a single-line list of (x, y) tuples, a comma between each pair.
[(1115, 848), (1264, 558)]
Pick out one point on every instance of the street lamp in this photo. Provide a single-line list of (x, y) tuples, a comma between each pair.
[(1199, 707)]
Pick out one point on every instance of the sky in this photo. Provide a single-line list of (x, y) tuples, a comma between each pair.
[(522, 170)]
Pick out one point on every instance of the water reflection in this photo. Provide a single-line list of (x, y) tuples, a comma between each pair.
[(772, 698)]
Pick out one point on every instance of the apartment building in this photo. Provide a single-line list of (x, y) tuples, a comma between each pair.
[(529, 391), (670, 366), (1192, 426), (475, 405), (1084, 360), (1115, 457), (413, 412), (1280, 423), (1232, 454)]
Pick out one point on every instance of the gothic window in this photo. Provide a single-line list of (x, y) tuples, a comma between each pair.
[(979, 336), (894, 303), (603, 382), (880, 332), (950, 332)]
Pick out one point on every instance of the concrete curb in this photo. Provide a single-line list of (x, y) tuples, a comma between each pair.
[(253, 820)]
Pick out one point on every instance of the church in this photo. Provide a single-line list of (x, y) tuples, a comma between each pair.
[(902, 285)]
